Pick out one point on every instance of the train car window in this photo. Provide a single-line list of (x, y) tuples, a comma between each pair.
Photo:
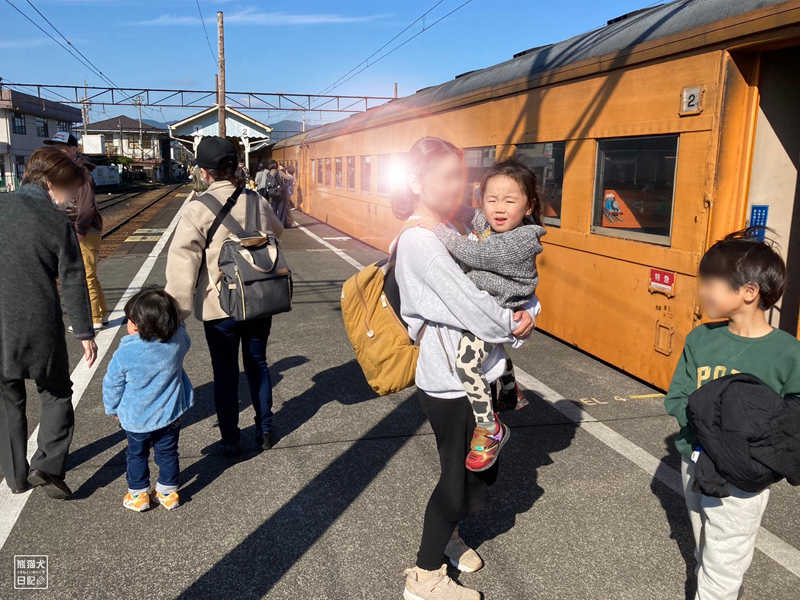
[(339, 173), (477, 161), (635, 188), (313, 170), (351, 173), (327, 172), (320, 168), (366, 174), (384, 174), (547, 161)]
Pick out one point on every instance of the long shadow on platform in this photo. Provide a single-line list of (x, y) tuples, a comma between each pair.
[(254, 566), (532, 446), (674, 507)]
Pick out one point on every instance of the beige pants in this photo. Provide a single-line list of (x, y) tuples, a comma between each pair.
[(90, 246), (725, 531)]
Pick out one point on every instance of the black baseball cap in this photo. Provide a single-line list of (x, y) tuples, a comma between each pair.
[(215, 153), (62, 137)]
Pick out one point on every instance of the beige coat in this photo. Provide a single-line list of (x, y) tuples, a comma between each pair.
[(186, 251)]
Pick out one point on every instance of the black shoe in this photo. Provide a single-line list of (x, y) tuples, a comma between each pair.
[(21, 490), (52, 485), (264, 441)]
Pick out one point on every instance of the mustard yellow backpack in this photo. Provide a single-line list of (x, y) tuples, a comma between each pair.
[(371, 313)]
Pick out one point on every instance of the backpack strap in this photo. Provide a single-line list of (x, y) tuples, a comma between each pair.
[(253, 218), (221, 213)]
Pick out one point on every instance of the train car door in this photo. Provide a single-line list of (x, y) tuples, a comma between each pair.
[(774, 196)]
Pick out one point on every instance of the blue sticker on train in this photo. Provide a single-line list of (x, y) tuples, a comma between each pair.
[(758, 218)]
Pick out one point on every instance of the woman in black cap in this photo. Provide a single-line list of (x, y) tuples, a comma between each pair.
[(194, 286)]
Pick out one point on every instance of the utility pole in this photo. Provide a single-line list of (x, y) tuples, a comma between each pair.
[(304, 121), (395, 90), (85, 108), (221, 84), (138, 102)]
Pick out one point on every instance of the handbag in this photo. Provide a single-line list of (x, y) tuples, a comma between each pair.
[(255, 280)]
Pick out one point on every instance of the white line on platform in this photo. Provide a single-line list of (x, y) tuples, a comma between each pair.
[(11, 505), (770, 544), (336, 250)]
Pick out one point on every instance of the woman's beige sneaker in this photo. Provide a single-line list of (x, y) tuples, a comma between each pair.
[(461, 556), (437, 586)]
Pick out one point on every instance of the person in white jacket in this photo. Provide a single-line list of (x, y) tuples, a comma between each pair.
[(435, 291)]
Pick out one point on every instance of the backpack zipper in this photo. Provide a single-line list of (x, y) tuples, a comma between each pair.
[(241, 287)]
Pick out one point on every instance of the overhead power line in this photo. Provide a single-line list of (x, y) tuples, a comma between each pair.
[(366, 62), (203, 23)]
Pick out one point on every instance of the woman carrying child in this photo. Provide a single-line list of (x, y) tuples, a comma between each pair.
[(502, 261), (436, 294)]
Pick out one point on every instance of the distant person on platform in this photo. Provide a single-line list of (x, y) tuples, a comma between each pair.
[(289, 221), (261, 180), (277, 182), (88, 225), (39, 253)]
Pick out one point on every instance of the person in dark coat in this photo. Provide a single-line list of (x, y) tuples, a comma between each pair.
[(38, 245)]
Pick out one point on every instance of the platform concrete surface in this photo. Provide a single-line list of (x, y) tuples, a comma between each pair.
[(335, 510)]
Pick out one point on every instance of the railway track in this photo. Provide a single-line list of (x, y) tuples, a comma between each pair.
[(117, 226), (120, 198)]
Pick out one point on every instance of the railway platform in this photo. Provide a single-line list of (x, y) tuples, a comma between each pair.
[(587, 505)]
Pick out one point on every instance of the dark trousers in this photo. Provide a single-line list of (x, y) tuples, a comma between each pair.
[(280, 208), (164, 443), (223, 337), (56, 427), (459, 492)]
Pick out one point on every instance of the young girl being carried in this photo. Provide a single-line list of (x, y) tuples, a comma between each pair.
[(502, 262)]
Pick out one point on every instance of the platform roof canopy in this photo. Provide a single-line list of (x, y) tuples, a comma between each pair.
[(206, 123)]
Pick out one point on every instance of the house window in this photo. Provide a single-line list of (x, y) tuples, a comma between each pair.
[(320, 169), (41, 127), (635, 188), (19, 124), (62, 126), (19, 167), (147, 143), (547, 161), (477, 161), (351, 173), (133, 143), (366, 174), (339, 173), (384, 174), (327, 172)]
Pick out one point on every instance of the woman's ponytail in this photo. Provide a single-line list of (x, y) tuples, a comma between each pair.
[(425, 153)]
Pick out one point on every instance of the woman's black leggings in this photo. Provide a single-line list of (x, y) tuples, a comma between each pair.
[(459, 492)]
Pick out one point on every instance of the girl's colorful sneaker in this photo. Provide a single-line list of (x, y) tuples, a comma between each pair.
[(140, 502), (169, 501), (486, 445)]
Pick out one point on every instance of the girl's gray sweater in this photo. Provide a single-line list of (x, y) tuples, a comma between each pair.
[(503, 264), (434, 289)]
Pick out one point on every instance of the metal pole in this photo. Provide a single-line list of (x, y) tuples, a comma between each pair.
[(395, 90), (221, 85)]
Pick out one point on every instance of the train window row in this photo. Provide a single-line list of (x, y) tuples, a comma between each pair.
[(634, 181)]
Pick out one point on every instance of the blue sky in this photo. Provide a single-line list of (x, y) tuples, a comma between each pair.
[(299, 47)]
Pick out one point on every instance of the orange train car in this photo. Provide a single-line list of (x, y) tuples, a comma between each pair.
[(652, 138)]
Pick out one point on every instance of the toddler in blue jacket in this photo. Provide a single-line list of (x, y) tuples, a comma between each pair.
[(147, 389)]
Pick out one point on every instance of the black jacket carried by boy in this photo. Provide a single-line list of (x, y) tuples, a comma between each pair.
[(750, 435)]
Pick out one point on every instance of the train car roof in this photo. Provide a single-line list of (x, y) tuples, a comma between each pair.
[(623, 32)]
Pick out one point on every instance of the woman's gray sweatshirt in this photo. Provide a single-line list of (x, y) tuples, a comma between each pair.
[(503, 264), (434, 289)]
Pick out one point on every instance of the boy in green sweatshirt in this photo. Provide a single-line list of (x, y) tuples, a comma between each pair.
[(741, 277)]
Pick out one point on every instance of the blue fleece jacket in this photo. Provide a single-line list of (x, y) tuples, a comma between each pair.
[(146, 386)]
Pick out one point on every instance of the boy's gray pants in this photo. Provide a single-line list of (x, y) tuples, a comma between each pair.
[(725, 531)]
